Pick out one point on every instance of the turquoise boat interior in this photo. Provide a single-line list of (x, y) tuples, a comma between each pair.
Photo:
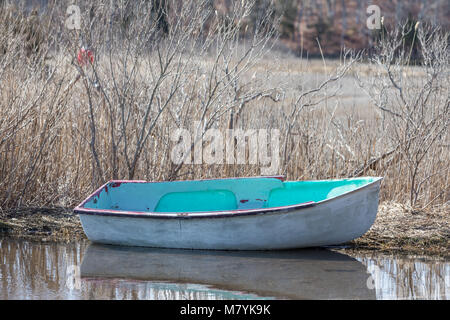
[(217, 195)]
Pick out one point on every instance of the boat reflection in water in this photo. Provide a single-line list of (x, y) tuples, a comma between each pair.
[(296, 274)]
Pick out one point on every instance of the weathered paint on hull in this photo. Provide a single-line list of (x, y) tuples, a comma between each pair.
[(328, 222)]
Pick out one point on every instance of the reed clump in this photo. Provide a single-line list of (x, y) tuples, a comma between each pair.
[(67, 127)]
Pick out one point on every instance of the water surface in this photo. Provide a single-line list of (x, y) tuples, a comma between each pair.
[(31, 270)]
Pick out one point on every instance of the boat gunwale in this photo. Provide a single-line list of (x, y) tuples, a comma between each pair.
[(210, 214)]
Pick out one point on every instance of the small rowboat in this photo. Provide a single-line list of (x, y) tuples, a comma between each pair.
[(258, 213)]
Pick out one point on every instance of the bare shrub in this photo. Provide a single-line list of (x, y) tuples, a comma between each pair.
[(145, 77), (311, 140), (415, 106)]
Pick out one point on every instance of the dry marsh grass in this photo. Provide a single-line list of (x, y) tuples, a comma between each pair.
[(66, 128)]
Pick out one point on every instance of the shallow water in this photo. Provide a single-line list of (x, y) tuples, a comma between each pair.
[(85, 271)]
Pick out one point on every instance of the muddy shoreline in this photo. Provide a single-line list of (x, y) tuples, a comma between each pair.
[(396, 230), (42, 224)]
